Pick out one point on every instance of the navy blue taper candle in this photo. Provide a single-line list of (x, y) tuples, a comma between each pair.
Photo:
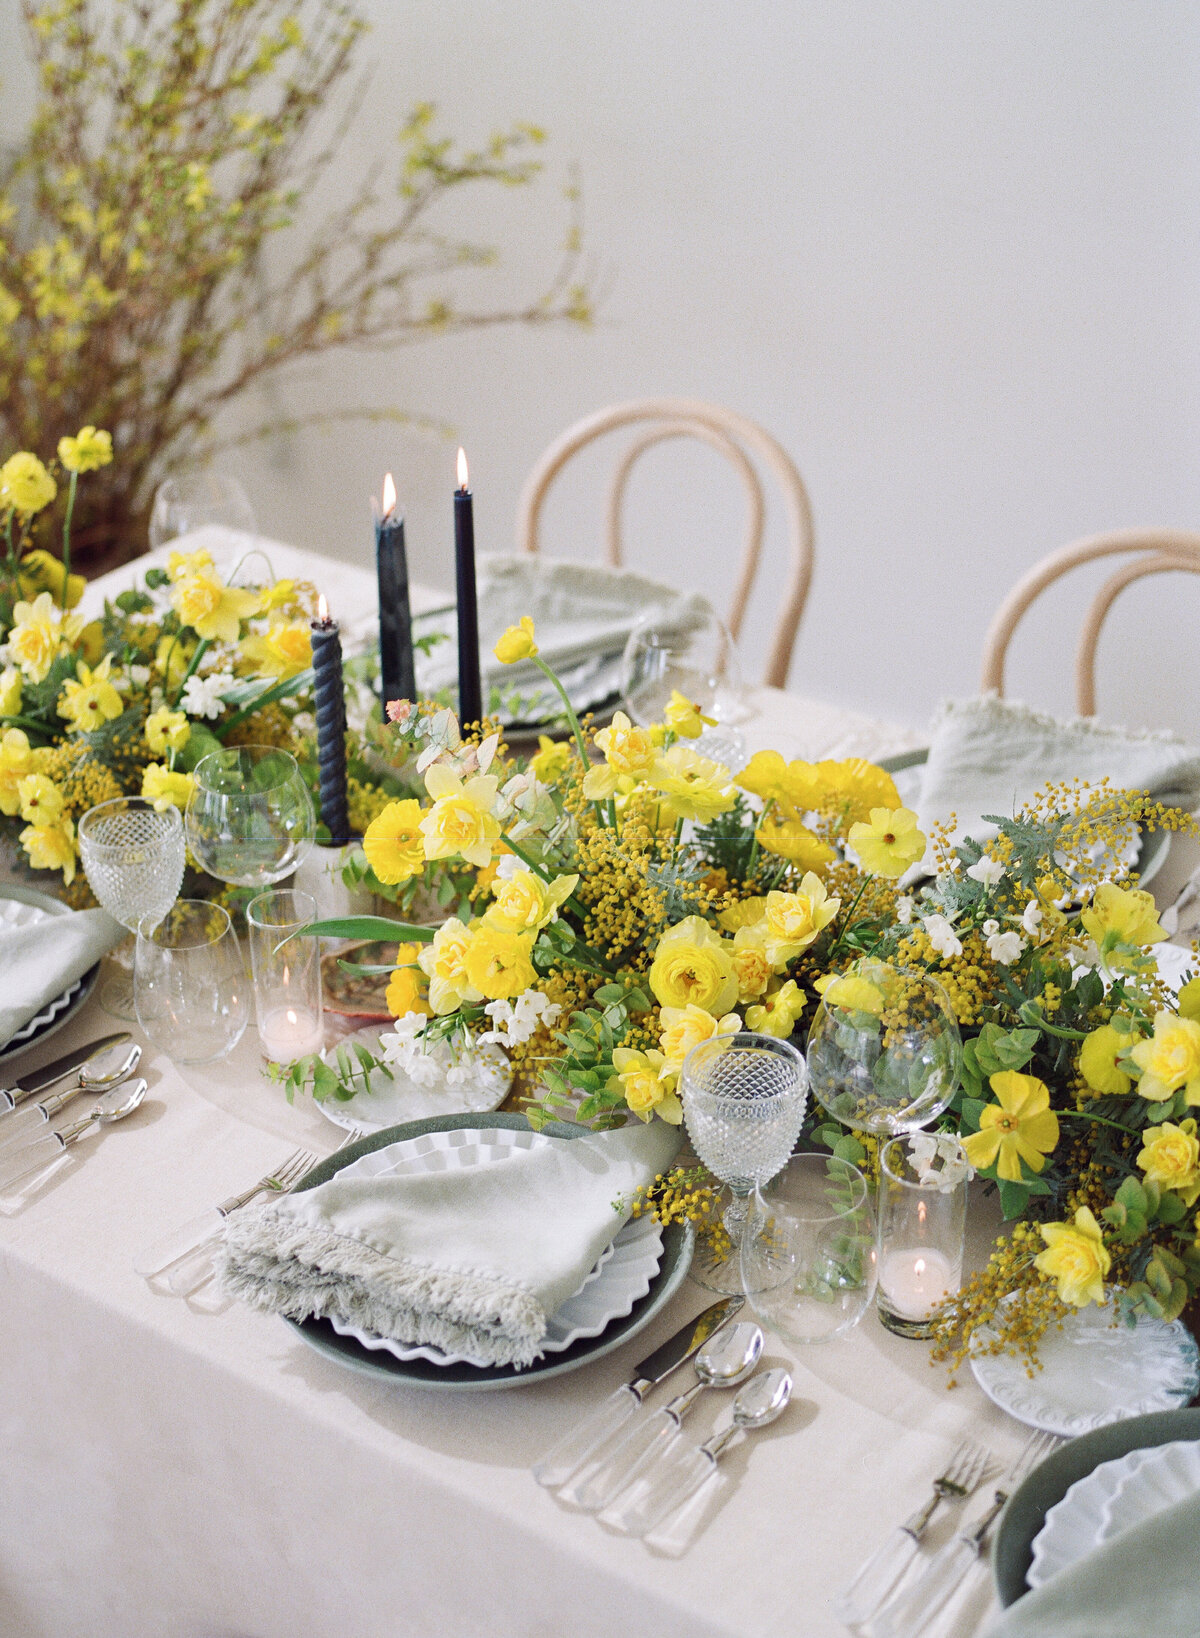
[(397, 680), (330, 702), (470, 696)]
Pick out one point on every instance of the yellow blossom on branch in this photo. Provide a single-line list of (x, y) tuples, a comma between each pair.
[(184, 565), (498, 964), (85, 452), (693, 964), (796, 786), (682, 1028), (461, 820), (283, 650), (38, 633), (647, 1085), (628, 752), (1019, 1126), (51, 847), (553, 759), (11, 689), (792, 840), (1076, 1257), (167, 730), (851, 992), (408, 990), (213, 610), (750, 961), (89, 698), (41, 800), (779, 1013), (164, 789), (41, 571), (517, 643), (443, 961), (691, 786), (523, 903), (796, 920), (1100, 1061), (685, 717), (1121, 916), (17, 760)]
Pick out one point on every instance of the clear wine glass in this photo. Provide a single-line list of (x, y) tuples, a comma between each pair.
[(250, 819), (194, 499), (743, 1101), (685, 647), (133, 858), (189, 983)]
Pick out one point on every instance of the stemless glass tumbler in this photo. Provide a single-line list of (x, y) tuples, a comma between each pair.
[(743, 1101), (133, 858), (189, 983), (250, 819), (287, 974)]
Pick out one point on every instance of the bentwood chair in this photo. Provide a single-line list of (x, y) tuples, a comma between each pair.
[(1159, 551), (735, 438)]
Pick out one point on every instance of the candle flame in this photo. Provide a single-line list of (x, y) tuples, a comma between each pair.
[(389, 496), (918, 1266), (291, 1016), (322, 609), (462, 469), (922, 1211)]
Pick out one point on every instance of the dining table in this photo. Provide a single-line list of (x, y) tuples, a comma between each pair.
[(190, 1468)]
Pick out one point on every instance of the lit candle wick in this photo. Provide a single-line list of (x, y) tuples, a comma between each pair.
[(918, 1266), (462, 471)]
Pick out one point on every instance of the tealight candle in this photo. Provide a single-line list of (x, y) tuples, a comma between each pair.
[(288, 1033), (922, 1226), (913, 1282), (287, 974)]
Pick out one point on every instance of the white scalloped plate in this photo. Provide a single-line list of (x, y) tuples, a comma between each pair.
[(621, 1275), (1093, 1373), (1169, 1474), (28, 910), (1074, 1525), (384, 1102)]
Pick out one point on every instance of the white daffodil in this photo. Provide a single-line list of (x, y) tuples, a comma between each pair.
[(988, 872), (942, 936), (1031, 920)]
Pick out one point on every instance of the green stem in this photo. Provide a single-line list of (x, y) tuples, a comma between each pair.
[(277, 691), (1030, 1015), (30, 724), (12, 555), (1101, 1120), (678, 835), (201, 649), (573, 720), (66, 552), (841, 938)]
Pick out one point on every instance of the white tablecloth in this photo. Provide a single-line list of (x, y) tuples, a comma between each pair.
[(208, 1476)]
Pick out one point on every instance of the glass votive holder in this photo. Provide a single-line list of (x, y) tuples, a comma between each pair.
[(287, 974), (189, 982), (922, 1227)]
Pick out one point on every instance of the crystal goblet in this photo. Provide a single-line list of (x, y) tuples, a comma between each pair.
[(686, 647), (133, 858), (195, 499), (250, 819)]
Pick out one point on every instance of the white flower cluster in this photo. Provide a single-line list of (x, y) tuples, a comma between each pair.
[(942, 936), (202, 695), (1002, 947), (476, 1067), (512, 1025), (927, 1149)]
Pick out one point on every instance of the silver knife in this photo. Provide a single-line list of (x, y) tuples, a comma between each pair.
[(584, 1440), (39, 1079)]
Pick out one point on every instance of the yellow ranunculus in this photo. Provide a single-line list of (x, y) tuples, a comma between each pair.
[(1169, 1059), (393, 843), (751, 962), (498, 964), (40, 571), (460, 822), (41, 800), (85, 452), (1100, 1061), (443, 963), (523, 903), (553, 759), (889, 842), (182, 565), (11, 688), (851, 992), (692, 787), (692, 964), (855, 786), (164, 789), (212, 609), (283, 650), (51, 847), (779, 1013), (17, 760), (795, 786), (1187, 1002), (792, 840), (682, 1028), (1019, 1126), (89, 698), (647, 1085), (796, 920), (1170, 1157), (38, 632), (167, 730), (1121, 916), (1076, 1257), (407, 989), (628, 752), (517, 643), (25, 487), (686, 718)]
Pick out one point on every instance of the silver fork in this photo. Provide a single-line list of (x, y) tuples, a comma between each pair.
[(877, 1578), (909, 1615), (192, 1271)]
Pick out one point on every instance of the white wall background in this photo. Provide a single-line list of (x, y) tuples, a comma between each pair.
[(948, 253)]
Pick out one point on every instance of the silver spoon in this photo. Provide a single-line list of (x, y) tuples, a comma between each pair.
[(99, 1074), (724, 1361), (31, 1157)]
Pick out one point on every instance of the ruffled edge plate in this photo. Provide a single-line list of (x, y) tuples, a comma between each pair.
[(1076, 1524), (22, 906), (1163, 1477)]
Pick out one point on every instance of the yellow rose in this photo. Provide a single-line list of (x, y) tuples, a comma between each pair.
[(10, 691), (794, 841), (51, 847), (1121, 916), (460, 822), (750, 962), (213, 610), (500, 965), (1075, 1256), (851, 992), (167, 730), (41, 800), (181, 565), (85, 452), (89, 698), (686, 718), (40, 571), (443, 963), (796, 920), (682, 1028), (285, 650), (38, 632), (1019, 1126), (524, 903), (779, 1013), (692, 964), (1170, 1059), (629, 752), (393, 843), (553, 759), (517, 643), (647, 1085), (1170, 1157), (692, 787), (17, 759), (407, 990), (164, 789), (889, 842), (1100, 1061), (25, 487)]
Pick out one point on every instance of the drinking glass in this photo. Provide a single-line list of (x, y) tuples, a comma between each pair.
[(133, 858), (189, 983), (808, 1252), (922, 1231), (197, 498), (686, 647), (743, 1101), (250, 819), (287, 976)]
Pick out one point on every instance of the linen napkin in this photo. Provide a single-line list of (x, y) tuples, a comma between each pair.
[(1143, 1581), (990, 755), (38, 963), (474, 1261)]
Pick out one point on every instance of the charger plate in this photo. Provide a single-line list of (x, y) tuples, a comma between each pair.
[(22, 906), (421, 1373)]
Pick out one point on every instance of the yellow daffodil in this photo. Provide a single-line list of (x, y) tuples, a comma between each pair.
[(164, 789), (628, 752), (460, 822), (1121, 916), (682, 1028), (517, 643), (792, 840), (646, 1085), (855, 786), (17, 760), (89, 698), (1170, 1059), (796, 786), (41, 800), (278, 596), (751, 962), (38, 633), (40, 571), (693, 964), (51, 847), (523, 903), (553, 759), (167, 730), (25, 487), (1076, 1257), (443, 963), (1187, 1002), (213, 610), (692, 787), (85, 452), (407, 989), (393, 843), (1019, 1126), (1170, 1157), (283, 650), (183, 565), (686, 718), (1100, 1061), (11, 688), (779, 1013), (498, 964), (796, 920), (743, 913), (851, 992), (889, 842)]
